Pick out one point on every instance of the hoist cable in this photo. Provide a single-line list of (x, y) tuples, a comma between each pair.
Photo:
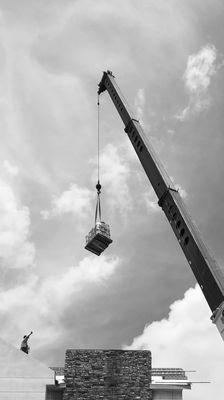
[(98, 137), (98, 186)]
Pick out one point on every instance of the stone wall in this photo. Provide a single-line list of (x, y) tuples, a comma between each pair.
[(107, 374)]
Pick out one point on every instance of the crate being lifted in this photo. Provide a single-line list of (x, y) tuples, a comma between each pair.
[(98, 238)]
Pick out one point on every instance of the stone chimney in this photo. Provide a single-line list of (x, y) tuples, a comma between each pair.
[(107, 375)]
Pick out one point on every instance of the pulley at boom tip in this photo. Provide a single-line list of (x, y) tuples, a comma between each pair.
[(101, 85)]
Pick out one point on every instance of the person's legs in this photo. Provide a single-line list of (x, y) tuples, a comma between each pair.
[(24, 349)]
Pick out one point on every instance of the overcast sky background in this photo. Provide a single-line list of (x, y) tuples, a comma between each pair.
[(168, 59)]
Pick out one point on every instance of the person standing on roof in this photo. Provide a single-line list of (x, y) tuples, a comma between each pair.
[(24, 345)]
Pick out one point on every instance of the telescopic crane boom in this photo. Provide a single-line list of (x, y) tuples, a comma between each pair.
[(206, 270)]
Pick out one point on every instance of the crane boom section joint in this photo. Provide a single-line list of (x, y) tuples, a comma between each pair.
[(162, 198)]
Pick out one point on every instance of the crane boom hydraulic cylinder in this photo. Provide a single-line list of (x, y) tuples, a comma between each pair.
[(206, 270)]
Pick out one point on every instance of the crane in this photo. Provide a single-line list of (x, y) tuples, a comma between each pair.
[(207, 272)]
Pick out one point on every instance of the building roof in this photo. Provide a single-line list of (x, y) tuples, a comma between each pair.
[(169, 378)]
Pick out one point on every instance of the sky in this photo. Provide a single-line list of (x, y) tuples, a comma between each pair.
[(168, 59)]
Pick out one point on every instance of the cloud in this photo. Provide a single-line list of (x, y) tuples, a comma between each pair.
[(89, 23), (187, 339), (180, 189), (41, 304), (197, 78), (10, 168), (139, 104), (75, 200), (200, 69), (16, 251), (115, 173), (150, 201)]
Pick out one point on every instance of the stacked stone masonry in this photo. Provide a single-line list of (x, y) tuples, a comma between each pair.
[(107, 375)]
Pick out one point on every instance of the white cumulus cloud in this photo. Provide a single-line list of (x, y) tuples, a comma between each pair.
[(200, 69), (187, 339), (150, 201), (75, 200), (41, 304), (180, 189), (16, 251), (197, 78), (115, 173), (140, 104), (10, 168)]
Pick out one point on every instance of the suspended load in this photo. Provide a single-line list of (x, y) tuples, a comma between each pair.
[(98, 238)]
